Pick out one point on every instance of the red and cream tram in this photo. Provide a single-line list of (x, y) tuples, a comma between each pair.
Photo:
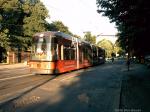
[(56, 52)]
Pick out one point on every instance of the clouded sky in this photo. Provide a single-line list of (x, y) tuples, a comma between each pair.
[(80, 16)]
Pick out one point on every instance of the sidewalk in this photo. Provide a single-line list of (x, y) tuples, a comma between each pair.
[(135, 95), (11, 66)]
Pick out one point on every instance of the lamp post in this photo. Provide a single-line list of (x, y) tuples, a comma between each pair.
[(127, 49)]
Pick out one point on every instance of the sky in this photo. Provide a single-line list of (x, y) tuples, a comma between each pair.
[(80, 16)]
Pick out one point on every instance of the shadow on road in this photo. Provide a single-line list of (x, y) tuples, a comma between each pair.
[(135, 93), (97, 89)]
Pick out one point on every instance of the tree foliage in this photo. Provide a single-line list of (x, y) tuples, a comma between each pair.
[(18, 22), (34, 20), (21, 21), (132, 20), (77, 36), (58, 26), (107, 45), (89, 37), (117, 49)]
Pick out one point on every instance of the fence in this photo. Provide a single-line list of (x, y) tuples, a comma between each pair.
[(17, 57)]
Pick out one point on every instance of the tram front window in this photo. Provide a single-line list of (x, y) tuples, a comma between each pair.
[(44, 49)]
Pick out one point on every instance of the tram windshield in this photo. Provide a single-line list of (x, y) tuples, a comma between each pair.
[(44, 48)]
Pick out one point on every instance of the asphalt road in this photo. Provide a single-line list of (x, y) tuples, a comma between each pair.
[(95, 89), (16, 81), (8, 71)]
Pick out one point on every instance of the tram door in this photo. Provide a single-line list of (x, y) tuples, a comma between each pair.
[(80, 55)]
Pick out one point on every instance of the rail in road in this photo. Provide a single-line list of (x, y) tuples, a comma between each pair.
[(16, 81), (13, 70), (19, 86), (96, 88)]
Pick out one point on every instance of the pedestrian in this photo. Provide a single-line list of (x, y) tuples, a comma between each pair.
[(112, 59), (128, 64)]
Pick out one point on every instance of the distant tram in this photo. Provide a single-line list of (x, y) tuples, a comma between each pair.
[(56, 52)]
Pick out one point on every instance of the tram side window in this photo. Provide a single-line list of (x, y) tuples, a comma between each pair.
[(54, 51), (94, 53), (66, 54), (89, 53), (85, 50), (101, 54), (69, 53)]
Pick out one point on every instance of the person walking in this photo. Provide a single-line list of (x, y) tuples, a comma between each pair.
[(128, 64), (113, 55), (112, 59)]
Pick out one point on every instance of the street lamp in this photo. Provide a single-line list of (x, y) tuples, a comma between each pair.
[(99, 34)]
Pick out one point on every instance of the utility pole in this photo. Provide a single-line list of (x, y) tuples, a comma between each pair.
[(128, 51)]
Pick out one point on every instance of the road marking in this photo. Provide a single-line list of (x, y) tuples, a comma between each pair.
[(9, 78)]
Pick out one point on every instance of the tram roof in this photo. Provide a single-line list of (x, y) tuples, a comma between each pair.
[(55, 33), (66, 36), (46, 34)]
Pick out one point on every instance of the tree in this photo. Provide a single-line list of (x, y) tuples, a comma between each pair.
[(19, 21), (58, 26), (107, 45), (77, 36), (22, 21), (4, 45), (118, 49), (34, 20), (88, 37), (132, 20)]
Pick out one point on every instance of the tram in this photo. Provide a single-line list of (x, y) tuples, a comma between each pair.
[(57, 52)]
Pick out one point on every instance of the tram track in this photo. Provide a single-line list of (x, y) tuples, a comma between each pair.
[(17, 87), (13, 72), (13, 89), (24, 82)]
